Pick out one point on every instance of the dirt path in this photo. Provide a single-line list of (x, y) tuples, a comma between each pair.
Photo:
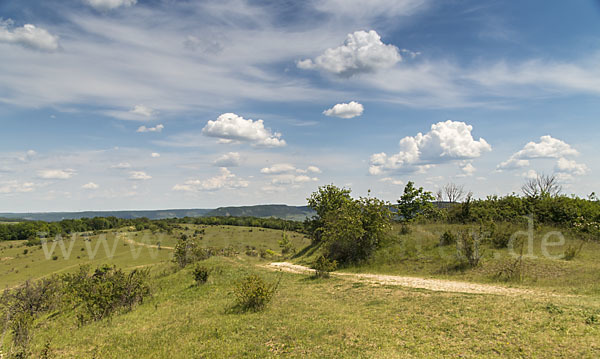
[(131, 241), (438, 285)]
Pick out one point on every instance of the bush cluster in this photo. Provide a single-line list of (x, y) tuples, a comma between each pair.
[(188, 251), (93, 296), (105, 291)]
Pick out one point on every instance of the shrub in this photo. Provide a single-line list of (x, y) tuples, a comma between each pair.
[(105, 291), (286, 245), (447, 238), (200, 274), (405, 229), (251, 252), (571, 252), (323, 266), (187, 251), (21, 306), (500, 236), (253, 293), (468, 249)]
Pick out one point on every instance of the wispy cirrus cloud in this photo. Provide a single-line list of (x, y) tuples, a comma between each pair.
[(56, 174)]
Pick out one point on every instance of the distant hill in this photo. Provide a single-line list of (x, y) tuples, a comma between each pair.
[(262, 211), (151, 214)]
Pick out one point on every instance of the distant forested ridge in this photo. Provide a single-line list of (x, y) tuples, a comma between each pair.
[(260, 211)]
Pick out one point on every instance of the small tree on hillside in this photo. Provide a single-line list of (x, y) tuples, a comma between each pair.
[(413, 202)]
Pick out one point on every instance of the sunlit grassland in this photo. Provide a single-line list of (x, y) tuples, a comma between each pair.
[(129, 249), (328, 318), (418, 253)]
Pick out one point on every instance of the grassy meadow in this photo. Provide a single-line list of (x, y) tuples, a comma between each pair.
[(320, 318)]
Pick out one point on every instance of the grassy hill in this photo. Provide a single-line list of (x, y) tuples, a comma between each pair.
[(319, 318)]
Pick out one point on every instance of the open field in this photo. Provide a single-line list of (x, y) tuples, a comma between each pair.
[(329, 318), (125, 249), (343, 316)]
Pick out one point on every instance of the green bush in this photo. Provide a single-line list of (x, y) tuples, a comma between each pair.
[(571, 252), (323, 266), (21, 306), (200, 274), (468, 248), (286, 245), (188, 251), (500, 235), (447, 238), (105, 291), (405, 229), (253, 293)]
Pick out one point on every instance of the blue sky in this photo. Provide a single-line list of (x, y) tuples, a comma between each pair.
[(125, 104)]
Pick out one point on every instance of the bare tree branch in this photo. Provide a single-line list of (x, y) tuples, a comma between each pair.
[(542, 185), (454, 192)]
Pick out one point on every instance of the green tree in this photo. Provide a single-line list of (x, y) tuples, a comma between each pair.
[(325, 200), (414, 202), (354, 231)]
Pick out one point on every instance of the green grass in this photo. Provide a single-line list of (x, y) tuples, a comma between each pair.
[(16, 266), (418, 254), (328, 319)]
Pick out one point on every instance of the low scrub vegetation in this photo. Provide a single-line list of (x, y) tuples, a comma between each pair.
[(323, 266), (253, 294), (105, 291), (201, 274), (90, 296)]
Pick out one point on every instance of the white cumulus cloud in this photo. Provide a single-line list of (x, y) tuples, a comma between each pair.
[(392, 181), (231, 159), (90, 185), (278, 168), (313, 169), (345, 110), (28, 36), (157, 128), (104, 5), (155, 155), (231, 127), (567, 166), (56, 174), (292, 179), (468, 170), (224, 180), (142, 110), (139, 176), (445, 142), (362, 52), (547, 147)]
